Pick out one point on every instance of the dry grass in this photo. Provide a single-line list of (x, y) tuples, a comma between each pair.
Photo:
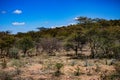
[(43, 67)]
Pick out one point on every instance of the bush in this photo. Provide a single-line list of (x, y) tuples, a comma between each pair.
[(117, 68), (58, 67), (4, 63), (77, 71), (86, 63), (14, 53), (5, 76), (17, 63), (73, 63)]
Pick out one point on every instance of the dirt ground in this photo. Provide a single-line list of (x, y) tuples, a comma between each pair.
[(43, 68)]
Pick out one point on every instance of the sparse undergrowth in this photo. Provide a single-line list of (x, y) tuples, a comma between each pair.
[(54, 66)]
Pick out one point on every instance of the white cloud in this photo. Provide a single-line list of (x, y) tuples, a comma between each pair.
[(76, 18), (3, 12), (52, 27), (17, 11), (72, 23), (18, 23)]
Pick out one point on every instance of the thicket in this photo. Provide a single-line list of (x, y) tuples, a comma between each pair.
[(102, 36)]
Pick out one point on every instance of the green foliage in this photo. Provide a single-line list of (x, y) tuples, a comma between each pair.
[(25, 44), (58, 67), (6, 42), (75, 41), (102, 36)]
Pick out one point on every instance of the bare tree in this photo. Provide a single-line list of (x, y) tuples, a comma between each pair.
[(50, 45)]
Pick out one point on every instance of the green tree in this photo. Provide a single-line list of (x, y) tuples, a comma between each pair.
[(9, 42), (25, 44), (92, 35), (76, 42)]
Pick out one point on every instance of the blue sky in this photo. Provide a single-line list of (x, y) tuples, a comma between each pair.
[(27, 15)]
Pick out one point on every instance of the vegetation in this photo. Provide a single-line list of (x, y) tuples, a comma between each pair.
[(25, 44), (58, 67), (88, 39), (77, 71)]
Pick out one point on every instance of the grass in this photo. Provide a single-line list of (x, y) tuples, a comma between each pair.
[(44, 66)]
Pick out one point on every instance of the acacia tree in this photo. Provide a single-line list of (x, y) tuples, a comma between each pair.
[(93, 40), (115, 35), (75, 42), (6, 41), (84, 20), (9, 42), (25, 44)]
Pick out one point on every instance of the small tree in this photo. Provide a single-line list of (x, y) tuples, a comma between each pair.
[(75, 42), (25, 44), (50, 45), (6, 42)]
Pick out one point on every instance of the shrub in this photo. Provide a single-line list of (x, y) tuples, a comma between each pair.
[(97, 68), (17, 63), (18, 71), (4, 63), (5, 76), (73, 63), (58, 67), (86, 63), (117, 67), (77, 71), (14, 53)]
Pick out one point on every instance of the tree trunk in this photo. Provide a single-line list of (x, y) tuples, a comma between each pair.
[(92, 54), (7, 53), (25, 51), (76, 50)]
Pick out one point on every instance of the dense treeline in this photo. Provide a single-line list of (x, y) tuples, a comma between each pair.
[(102, 36)]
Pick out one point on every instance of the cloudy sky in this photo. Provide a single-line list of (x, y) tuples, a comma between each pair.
[(27, 15)]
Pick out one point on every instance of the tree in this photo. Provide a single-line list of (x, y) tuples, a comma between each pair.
[(6, 42), (92, 35), (25, 44), (83, 20), (75, 42), (50, 45), (9, 42)]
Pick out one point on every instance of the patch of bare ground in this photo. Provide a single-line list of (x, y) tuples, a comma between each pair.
[(43, 68)]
